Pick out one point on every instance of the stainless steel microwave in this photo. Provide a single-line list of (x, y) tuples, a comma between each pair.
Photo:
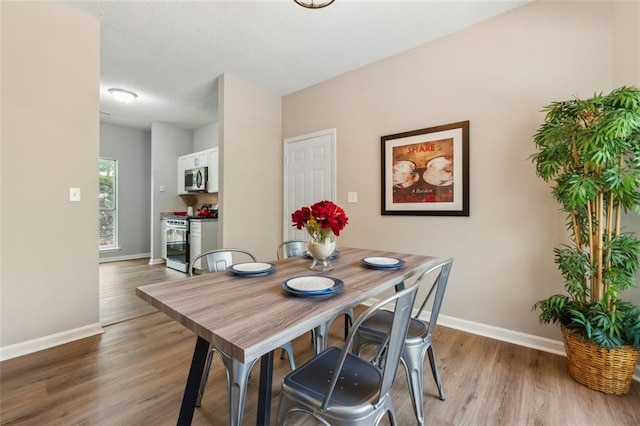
[(195, 180)]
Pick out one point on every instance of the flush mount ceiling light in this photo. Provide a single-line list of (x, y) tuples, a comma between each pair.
[(122, 95), (312, 4)]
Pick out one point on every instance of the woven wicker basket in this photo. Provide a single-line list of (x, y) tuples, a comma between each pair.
[(610, 372)]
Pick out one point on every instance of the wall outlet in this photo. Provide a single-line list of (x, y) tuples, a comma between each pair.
[(352, 197), (74, 194)]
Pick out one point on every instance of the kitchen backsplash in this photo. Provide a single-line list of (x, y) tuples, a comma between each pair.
[(201, 198)]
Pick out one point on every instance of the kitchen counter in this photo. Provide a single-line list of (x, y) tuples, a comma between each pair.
[(165, 215)]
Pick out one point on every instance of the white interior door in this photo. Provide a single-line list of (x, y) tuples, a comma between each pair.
[(309, 175)]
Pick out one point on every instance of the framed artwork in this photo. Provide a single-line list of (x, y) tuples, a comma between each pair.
[(426, 172)]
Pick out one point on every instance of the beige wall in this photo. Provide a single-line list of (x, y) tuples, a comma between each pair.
[(626, 46), (250, 167), (498, 75), (50, 132), (627, 72)]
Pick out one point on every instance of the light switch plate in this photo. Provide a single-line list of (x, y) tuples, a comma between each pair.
[(74, 194), (352, 197)]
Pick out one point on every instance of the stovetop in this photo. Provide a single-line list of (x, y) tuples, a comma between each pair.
[(211, 216), (178, 217)]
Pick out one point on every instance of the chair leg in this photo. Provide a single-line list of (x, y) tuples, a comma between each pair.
[(288, 348), (205, 377), (285, 406), (436, 373), (391, 412), (321, 333), (412, 358), (237, 380)]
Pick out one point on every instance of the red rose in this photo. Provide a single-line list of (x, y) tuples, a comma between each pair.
[(326, 215), (301, 217)]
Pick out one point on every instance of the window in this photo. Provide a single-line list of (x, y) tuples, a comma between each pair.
[(108, 221)]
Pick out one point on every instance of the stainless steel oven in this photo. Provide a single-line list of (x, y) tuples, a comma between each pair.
[(178, 243)]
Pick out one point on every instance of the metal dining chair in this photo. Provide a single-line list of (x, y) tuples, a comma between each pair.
[(237, 373), (418, 341), (291, 248), (219, 260), (319, 335), (340, 388)]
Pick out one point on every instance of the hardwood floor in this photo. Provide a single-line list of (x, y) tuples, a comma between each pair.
[(118, 281), (135, 373)]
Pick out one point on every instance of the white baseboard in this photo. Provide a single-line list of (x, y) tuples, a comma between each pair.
[(156, 261), (46, 342), (502, 334), (528, 340), (127, 257)]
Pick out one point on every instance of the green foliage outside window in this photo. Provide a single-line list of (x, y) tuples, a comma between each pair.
[(107, 173)]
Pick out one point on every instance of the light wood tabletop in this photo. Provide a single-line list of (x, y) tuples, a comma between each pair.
[(249, 316)]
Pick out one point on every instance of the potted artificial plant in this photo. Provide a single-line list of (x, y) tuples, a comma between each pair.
[(590, 150)]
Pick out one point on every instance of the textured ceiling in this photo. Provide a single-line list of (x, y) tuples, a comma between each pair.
[(171, 52)]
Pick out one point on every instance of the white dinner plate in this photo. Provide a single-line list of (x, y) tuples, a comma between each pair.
[(382, 262), (313, 286), (251, 268), (310, 283)]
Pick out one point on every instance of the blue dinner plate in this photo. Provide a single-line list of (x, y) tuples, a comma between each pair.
[(312, 286), (382, 262), (251, 268)]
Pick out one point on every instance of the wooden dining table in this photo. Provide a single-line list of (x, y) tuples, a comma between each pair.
[(248, 317)]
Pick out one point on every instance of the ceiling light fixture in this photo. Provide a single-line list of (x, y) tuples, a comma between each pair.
[(311, 4), (122, 95)]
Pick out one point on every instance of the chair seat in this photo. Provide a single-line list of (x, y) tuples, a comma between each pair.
[(356, 391), (378, 325)]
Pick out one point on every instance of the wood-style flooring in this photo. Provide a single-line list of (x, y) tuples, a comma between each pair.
[(118, 282), (134, 374)]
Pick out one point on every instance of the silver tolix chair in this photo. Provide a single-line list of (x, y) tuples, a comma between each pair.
[(418, 341), (237, 373), (340, 388), (291, 248)]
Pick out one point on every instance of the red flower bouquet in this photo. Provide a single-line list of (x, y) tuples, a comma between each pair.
[(321, 219)]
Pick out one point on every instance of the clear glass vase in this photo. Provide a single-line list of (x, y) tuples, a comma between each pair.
[(321, 248)]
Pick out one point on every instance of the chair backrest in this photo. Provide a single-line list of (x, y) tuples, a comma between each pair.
[(220, 259), (394, 343), (291, 248), (436, 292)]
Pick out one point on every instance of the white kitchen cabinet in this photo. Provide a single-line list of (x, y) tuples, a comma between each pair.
[(212, 183), (183, 164), (163, 238), (203, 236), (201, 159), (194, 160)]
